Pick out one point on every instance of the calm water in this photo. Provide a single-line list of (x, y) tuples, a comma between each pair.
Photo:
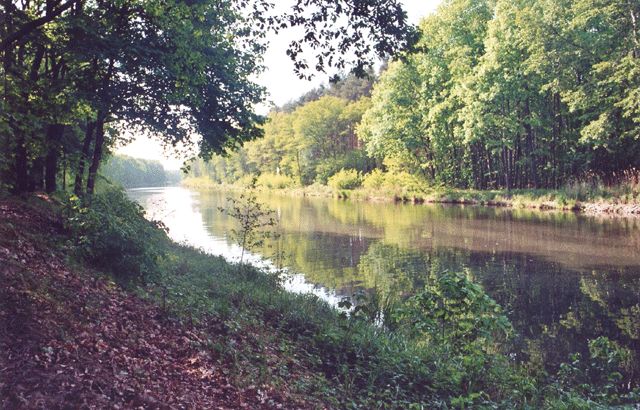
[(562, 278)]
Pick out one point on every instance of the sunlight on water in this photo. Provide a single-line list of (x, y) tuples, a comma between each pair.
[(179, 209)]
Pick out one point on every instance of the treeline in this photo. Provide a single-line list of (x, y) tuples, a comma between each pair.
[(526, 93), (134, 172), (305, 141), (496, 94)]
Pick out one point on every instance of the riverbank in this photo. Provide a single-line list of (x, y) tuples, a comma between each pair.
[(81, 325), (614, 201), (74, 336)]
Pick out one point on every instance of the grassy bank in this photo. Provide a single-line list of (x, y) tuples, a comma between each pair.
[(618, 199), (246, 340)]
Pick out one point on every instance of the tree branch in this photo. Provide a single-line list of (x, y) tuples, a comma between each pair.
[(29, 27)]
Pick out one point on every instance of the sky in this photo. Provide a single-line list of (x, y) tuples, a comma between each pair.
[(281, 82)]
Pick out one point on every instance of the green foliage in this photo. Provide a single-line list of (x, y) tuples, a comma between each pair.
[(356, 159), (524, 94), (363, 365), (374, 180), (309, 144), (403, 181), (442, 347), (401, 185), (345, 179), (274, 181), (112, 234), (252, 217), (598, 380), (76, 76), (453, 310)]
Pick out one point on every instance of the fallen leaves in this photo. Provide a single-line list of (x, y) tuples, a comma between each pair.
[(71, 340)]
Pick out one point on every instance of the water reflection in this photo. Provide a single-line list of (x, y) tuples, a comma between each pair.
[(184, 214), (563, 278)]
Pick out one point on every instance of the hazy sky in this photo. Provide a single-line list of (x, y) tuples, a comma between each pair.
[(279, 79)]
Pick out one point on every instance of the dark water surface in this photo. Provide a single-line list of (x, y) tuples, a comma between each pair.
[(563, 278)]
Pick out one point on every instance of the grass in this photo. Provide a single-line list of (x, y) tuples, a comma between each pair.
[(591, 194), (353, 363)]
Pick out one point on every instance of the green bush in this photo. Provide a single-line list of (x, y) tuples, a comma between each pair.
[(246, 181), (356, 159), (455, 311), (275, 181), (598, 379), (112, 234), (374, 180), (404, 182), (398, 182), (345, 179)]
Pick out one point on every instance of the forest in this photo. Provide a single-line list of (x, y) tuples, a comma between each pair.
[(494, 95), (136, 173)]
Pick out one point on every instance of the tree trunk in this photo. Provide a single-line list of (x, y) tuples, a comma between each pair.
[(506, 170), (64, 172), (556, 134), (21, 166), (84, 156), (54, 136), (97, 156), (634, 31), (36, 177), (22, 182), (299, 168), (531, 145)]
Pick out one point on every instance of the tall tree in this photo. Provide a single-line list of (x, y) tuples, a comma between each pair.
[(177, 69)]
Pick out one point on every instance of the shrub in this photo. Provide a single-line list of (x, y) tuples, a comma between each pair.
[(398, 182), (356, 159), (275, 181), (112, 234), (345, 179), (374, 180), (453, 310), (199, 182), (251, 217), (599, 377), (403, 181), (246, 180)]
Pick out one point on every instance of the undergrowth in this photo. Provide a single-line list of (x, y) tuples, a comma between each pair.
[(622, 189)]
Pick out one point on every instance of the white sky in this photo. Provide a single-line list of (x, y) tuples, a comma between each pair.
[(281, 82)]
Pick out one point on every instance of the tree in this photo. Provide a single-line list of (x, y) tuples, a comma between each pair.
[(177, 69), (133, 172), (522, 94), (252, 217)]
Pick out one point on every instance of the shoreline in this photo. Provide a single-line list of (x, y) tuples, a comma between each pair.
[(222, 335), (541, 200)]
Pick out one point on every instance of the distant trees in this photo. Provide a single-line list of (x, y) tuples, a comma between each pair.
[(495, 94), (76, 73), (134, 172), (311, 141)]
